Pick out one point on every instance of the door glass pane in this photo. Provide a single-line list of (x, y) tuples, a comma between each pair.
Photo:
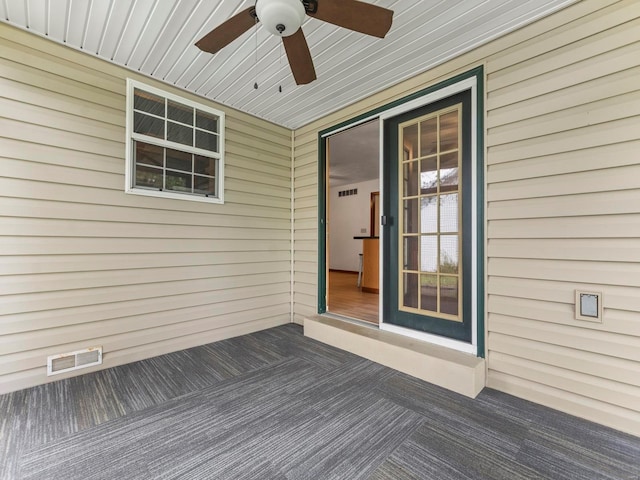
[(429, 137), (429, 254), (411, 216), (449, 131), (429, 292), (429, 176), (449, 172), (429, 214), (449, 254), (449, 212), (410, 253), (410, 291), (410, 179), (449, 295), (410, 142)]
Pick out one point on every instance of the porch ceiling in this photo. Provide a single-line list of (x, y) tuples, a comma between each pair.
[(156, 38)]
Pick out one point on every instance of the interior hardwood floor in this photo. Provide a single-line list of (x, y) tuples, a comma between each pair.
[(345, 298)]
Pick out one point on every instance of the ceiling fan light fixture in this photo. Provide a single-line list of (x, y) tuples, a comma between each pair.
[(281, 17)]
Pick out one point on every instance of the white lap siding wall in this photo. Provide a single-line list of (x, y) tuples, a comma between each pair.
[(84, 264), (562, 134)]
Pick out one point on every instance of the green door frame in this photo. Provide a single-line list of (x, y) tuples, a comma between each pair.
[(477, 74)]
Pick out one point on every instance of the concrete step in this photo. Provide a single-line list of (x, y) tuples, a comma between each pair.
[(461, 372)]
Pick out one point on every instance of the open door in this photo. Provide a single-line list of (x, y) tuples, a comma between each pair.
[(432, 222), (352, 238)]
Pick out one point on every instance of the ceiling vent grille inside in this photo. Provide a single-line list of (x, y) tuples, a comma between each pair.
[(66, 362), (346, 193)]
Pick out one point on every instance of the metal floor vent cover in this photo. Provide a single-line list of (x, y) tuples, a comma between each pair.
[(66, 362)]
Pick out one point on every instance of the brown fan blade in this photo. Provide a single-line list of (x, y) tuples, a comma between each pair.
[(299, 58), (223, 35), (358, 16)]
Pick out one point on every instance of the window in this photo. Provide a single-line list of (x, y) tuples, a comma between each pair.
[(175, 147)]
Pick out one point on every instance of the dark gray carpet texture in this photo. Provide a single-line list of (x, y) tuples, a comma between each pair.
[(277, 405)]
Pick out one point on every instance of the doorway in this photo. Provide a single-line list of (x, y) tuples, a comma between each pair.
[(432, 223), (352, 253)]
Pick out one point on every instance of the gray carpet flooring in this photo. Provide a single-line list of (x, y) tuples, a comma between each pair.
[(277, 405)]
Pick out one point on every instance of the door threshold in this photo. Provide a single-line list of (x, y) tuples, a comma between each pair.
[(454, 370), (354, 320)]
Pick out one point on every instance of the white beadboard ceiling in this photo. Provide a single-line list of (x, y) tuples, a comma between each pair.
[(156, 37)]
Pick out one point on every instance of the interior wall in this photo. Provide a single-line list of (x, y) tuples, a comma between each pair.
[(562, 108), (84, 264), (349, 216)]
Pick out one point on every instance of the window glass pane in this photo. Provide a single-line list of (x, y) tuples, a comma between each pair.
[(449, 254), (410, 179), (205, 165), (148, 177), (429, 253), (449, 212), (429, 292), (429, 137), (148, 102), (429, 214), (206, 121), (429, 175), (179, 134), (410, 253), (449, 172), (180, 182), (410, 141), (449, 131), (179, 113), (149, 154), (206, 141), (411, 216), (204, 185), (410, 290), (178, 160), (148, 125), (163, 145), (449, 295)]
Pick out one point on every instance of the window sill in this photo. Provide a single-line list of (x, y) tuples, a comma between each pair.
[(174, 196)]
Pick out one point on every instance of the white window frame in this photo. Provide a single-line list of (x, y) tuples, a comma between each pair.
[(132, 136)]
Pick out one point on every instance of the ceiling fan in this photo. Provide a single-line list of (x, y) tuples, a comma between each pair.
[(284, 19)]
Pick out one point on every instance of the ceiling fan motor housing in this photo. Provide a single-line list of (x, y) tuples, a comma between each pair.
[(281, 17)]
